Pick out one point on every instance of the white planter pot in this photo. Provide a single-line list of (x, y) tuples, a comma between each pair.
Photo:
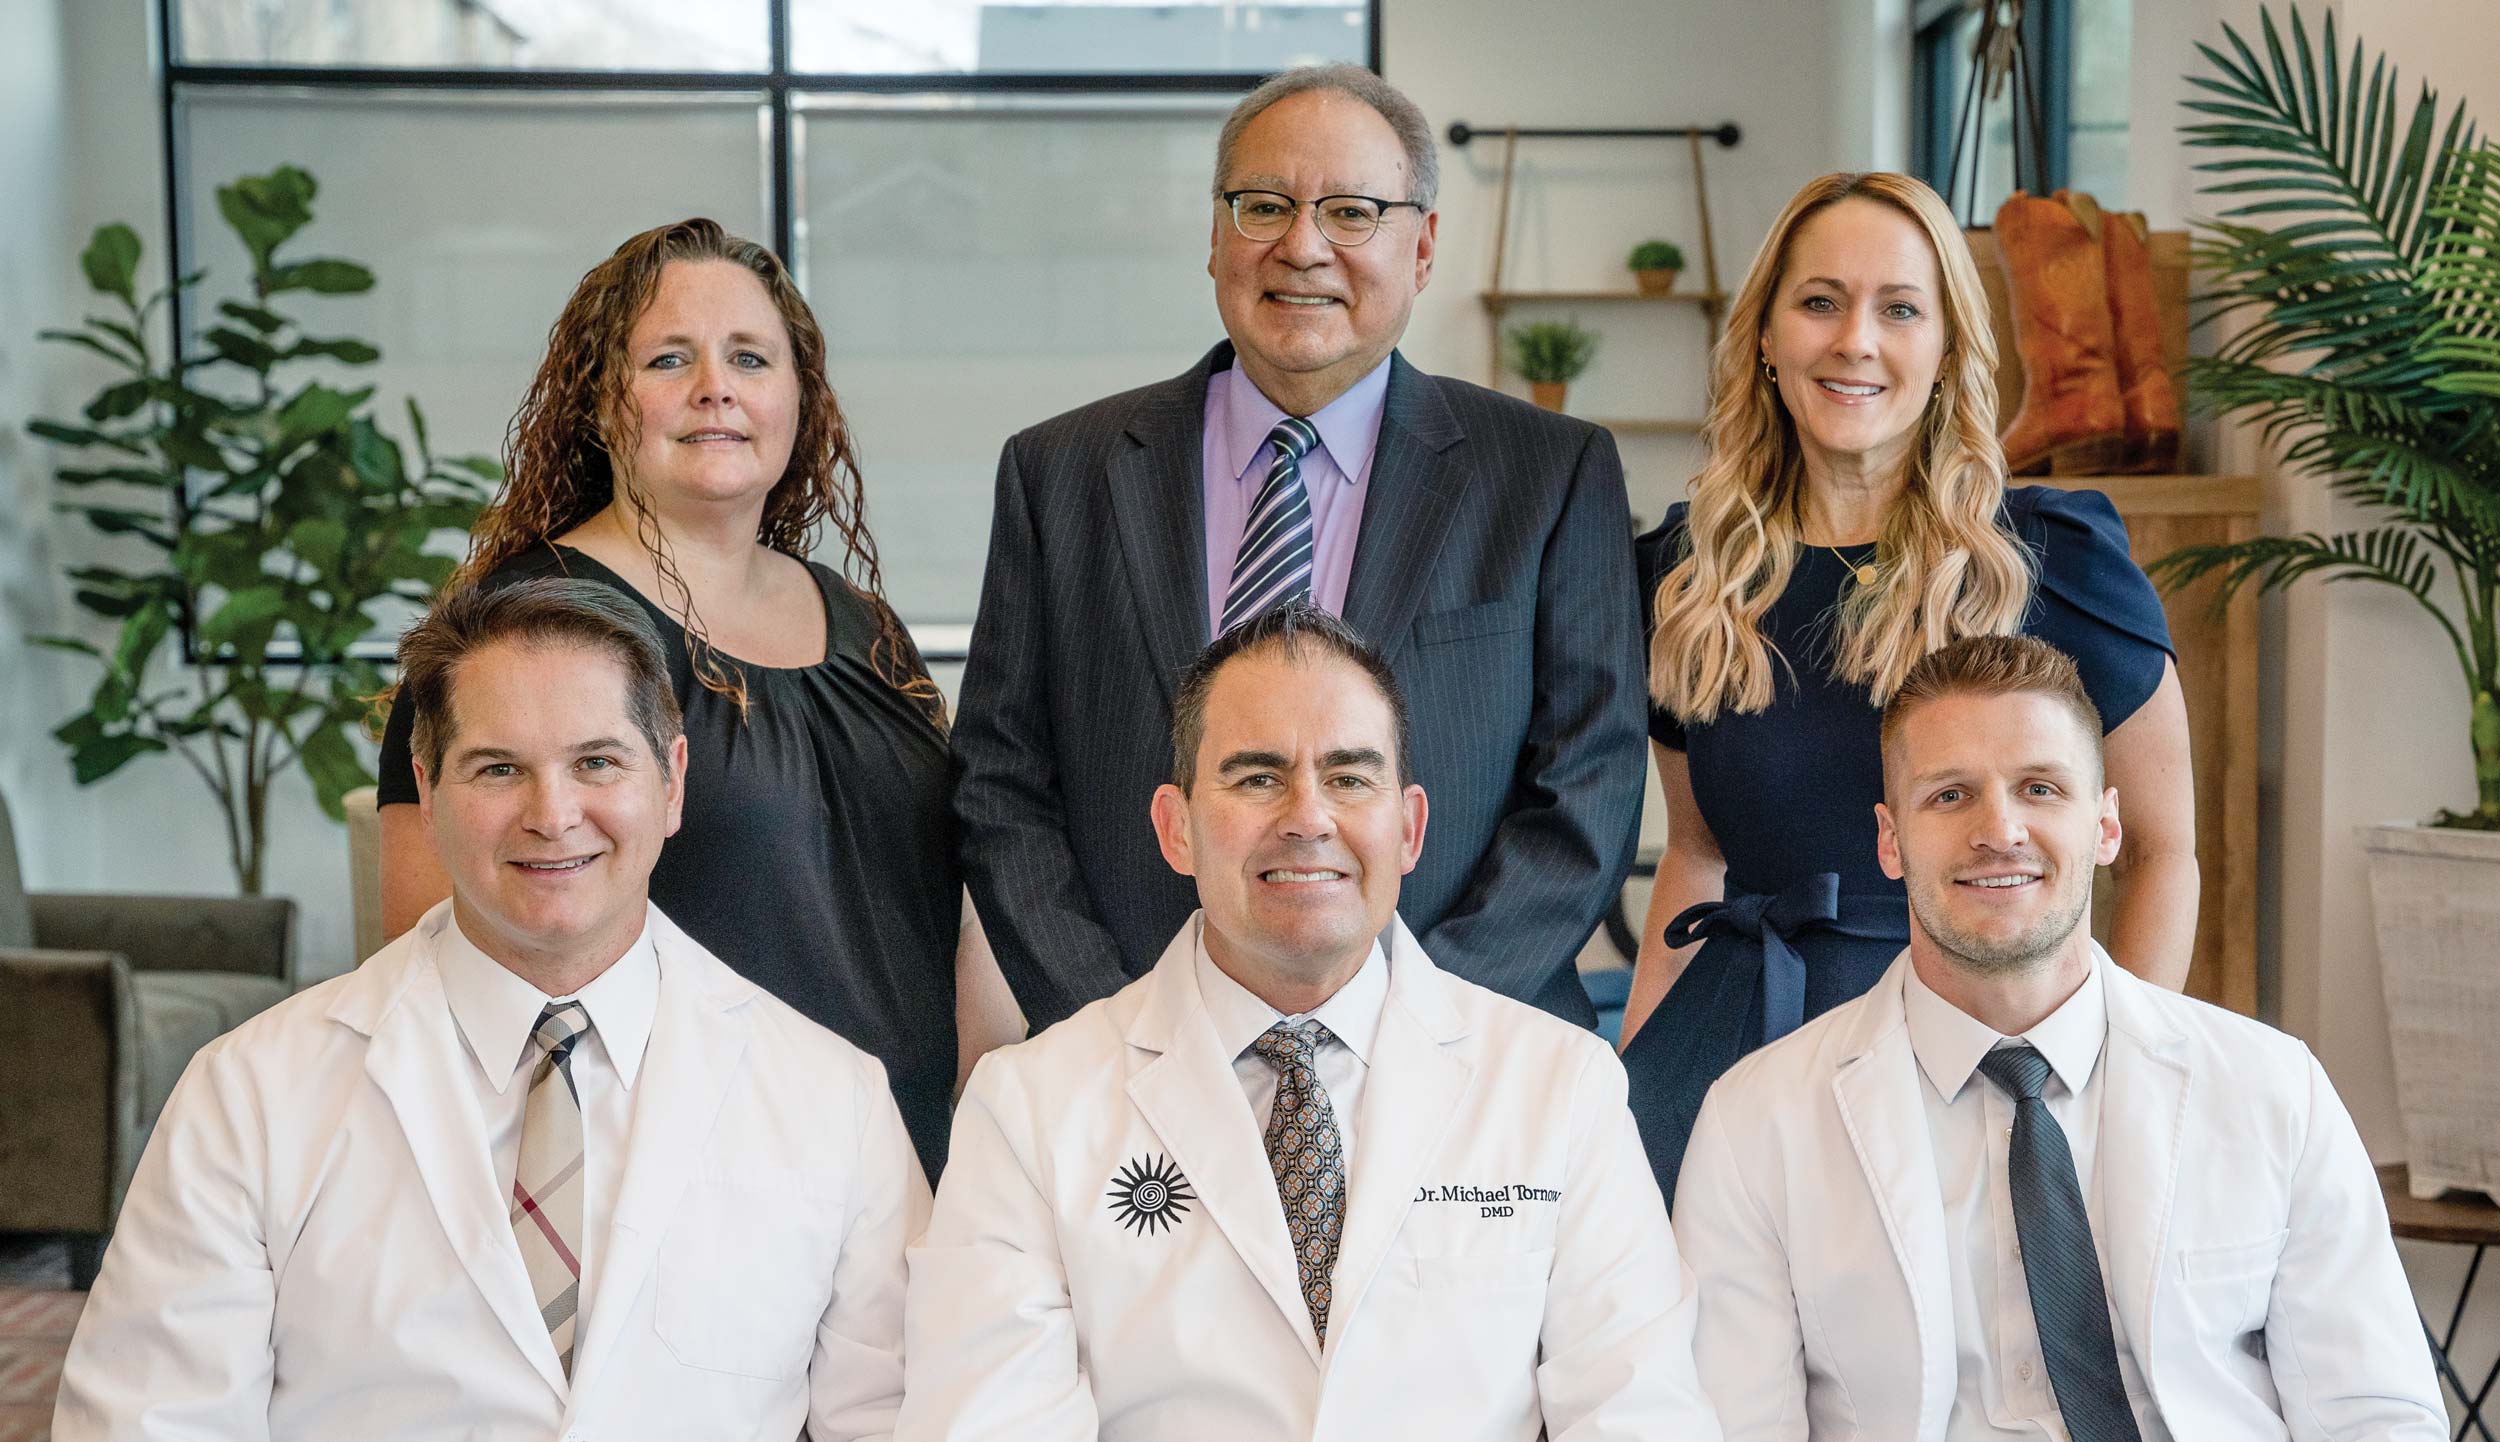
[(2435, 894)]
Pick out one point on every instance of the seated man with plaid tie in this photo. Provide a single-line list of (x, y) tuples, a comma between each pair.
[(1297, 1182), (541, 1168), (2015, 1192)]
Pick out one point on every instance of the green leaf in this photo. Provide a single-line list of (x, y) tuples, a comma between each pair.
[(59, 434), (116, 401), (250, 352), (346, 350), (316, 410), (267, 210), (319, 541), (485, 468), (87, 342), (140, 637), (111, 261), (264, 321), (118, 475), (244, 613), (122, 521), (330, 761), (107, 754), (67, 643), (191, 450), (416, 425), (325, 277)]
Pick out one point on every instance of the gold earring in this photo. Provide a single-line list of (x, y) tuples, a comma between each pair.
[(1769, 374)]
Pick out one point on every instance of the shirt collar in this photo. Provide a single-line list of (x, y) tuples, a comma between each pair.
[(1950, 1042), (1352, 1015), (496, 1010), (1349, 426)]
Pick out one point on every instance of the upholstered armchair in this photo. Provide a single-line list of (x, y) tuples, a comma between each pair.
[(103, 999)]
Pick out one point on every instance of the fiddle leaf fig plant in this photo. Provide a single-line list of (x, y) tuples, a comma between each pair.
[(252, 505), (1551, 350)]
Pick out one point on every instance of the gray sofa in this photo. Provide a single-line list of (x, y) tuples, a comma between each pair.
[(103, 999)]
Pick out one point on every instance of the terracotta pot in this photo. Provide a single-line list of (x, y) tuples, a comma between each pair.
[(1656, 282), (2435, 895), (1548, 394)]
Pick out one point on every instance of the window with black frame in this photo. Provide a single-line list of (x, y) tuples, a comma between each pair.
[(997, 210), (2077, 53)]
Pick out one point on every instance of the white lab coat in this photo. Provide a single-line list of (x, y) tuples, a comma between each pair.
[(1505, 1265), (2245, 1241), (314, 1246)]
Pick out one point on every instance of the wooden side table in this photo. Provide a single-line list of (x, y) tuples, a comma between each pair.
[(2462, 1221)]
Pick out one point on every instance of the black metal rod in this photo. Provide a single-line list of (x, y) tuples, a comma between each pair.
[(1725, 132), (392, 77)]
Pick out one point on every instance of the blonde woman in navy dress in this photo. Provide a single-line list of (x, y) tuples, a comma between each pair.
[(1852, 516)]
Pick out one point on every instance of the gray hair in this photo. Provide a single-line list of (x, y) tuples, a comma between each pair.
[(1423, 160)]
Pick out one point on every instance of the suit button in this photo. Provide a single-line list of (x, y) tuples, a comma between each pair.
[(2023, 1371)]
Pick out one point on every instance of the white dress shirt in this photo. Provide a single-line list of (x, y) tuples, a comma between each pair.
[(1352, 1017), (496, 1011), (2002, 1383)]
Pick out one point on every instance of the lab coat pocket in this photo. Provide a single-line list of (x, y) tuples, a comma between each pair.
[(1479, 1274), (2228, 1287), (746, 1271)]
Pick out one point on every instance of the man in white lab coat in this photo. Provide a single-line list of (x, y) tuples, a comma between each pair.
[(2014, 1191), (541, 1168), (1296, 1182)]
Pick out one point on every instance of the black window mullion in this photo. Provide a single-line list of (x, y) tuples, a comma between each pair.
[(784, 179)]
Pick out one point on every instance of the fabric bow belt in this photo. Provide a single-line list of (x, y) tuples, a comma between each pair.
[(1768, 923)]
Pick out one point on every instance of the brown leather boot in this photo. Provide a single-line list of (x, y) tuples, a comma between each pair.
[(2072, 422), (2145, 391)]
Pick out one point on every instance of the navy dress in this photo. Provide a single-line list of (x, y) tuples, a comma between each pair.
[(1809, 920)]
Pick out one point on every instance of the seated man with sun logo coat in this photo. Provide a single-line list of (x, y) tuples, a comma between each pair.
[(1296, 1182)]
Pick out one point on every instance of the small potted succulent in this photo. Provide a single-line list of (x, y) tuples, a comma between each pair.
[(1550, 354), (1654, 265)]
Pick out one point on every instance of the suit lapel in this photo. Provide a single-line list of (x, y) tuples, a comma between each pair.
[(1412, 1089), (1417, 489), (697, 1049), (1192, 1099), (2144, 1101), (1158, 504), (1877, 1092), (437, 1110)]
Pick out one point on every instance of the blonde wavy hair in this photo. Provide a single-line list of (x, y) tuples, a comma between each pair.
[(1946, 567)]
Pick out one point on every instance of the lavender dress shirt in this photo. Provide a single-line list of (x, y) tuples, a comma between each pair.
[(1337, 473)]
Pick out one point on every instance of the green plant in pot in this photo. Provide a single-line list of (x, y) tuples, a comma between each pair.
[(273, 517), (1549, 355), (2360, 254), (1654, 265)]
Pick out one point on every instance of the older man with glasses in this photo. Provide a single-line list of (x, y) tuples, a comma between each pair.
[(1481, 544)]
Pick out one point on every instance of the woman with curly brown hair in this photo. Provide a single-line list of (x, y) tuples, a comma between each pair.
[(1852, 516), (680, 443)]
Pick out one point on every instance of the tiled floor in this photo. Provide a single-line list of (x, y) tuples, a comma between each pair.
[(36, 1316)]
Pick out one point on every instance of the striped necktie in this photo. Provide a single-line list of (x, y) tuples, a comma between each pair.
[(1274, 562), (547, 1186), (2061, 1267)]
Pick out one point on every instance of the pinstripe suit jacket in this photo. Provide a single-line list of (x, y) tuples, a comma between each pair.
[(1493, 568)]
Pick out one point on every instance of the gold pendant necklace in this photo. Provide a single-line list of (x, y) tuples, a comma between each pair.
[(1862, 572)]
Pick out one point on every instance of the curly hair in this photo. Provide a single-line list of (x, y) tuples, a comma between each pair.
[(567, 453), (1946, 566)]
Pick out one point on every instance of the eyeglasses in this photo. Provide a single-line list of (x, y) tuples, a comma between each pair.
[(1347, 220)]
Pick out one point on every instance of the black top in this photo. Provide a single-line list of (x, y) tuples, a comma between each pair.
[(1774, 818), (817, 850)]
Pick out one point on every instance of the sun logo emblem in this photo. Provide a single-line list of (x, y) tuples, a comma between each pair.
[(1149, 1194)]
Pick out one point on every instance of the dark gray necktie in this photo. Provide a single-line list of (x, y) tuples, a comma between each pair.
[(2060, 1264), (1273, 564)]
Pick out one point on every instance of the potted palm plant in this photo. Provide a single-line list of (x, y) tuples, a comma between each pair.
[(2361, 252), (1654, 265), (1550, 354)]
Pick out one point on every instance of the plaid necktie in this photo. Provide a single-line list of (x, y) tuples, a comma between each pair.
[(547, 1186), (1308, 1158), (1274, 562), (2060, 1264)]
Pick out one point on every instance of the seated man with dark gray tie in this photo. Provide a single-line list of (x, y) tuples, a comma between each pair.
[(1298, 1182), (543, 1167), (2015, 1192)]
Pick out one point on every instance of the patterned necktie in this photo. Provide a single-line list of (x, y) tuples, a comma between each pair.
[(1274, 562), (2060, 1265), (547, 1186), (1308, 1158)]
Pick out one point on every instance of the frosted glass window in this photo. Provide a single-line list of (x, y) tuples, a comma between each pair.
[(477, 215), (1171, 37), (985, 266), (486, 34)]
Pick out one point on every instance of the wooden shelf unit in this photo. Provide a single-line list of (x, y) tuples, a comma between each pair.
[(1497, 301)]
